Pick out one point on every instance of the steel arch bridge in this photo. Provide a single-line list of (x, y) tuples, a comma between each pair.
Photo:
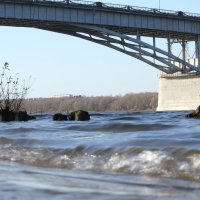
[(122, 28)]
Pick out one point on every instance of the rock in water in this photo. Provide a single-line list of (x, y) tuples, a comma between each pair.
[(79, 115), (60, 117), (6, 116), (195, 114), (22, 116)]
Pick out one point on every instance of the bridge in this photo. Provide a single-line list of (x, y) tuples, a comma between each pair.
[(135, 31), (119, 27)]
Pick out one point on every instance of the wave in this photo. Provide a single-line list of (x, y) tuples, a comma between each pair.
[(169, 162), (111, 127), (119, 127), (125, 118), (20, 130)]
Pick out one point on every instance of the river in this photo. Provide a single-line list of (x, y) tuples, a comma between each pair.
[(122, 155)]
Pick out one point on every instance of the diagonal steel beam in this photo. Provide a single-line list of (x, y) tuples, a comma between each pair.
[(144, 44), (135, 55), (172, 68)]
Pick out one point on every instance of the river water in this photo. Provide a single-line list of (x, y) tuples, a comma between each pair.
[(141, 155)]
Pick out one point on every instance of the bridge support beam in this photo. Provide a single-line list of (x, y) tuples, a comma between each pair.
[(198, 50), (184, 54), (179, 92)]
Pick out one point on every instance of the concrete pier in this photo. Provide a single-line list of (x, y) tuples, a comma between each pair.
[(179, 92)]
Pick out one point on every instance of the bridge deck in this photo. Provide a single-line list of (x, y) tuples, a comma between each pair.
[(58, 15)]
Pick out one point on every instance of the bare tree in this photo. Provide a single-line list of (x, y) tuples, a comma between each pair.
[(12, 95)]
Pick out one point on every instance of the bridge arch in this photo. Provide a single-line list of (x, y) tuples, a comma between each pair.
[(134, 47), (120, 28)]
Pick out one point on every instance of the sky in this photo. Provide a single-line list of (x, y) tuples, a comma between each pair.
[(60, 64)]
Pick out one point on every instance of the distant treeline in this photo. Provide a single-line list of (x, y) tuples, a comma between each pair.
[(128, 102)]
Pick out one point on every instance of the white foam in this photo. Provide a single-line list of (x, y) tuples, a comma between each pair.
[(195, 161), (184, 166), (144, 162)]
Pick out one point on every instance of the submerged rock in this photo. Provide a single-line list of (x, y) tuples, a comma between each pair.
[(79, 115), (195, 114)]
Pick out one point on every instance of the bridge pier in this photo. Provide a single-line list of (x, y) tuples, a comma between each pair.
[(179, 92)]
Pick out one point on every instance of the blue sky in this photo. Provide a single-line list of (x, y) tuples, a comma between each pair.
[(60, 64)]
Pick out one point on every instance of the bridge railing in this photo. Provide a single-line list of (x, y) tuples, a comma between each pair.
[(124, 7), (101, 5)]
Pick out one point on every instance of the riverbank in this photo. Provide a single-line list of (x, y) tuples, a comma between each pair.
[(128, 102)]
